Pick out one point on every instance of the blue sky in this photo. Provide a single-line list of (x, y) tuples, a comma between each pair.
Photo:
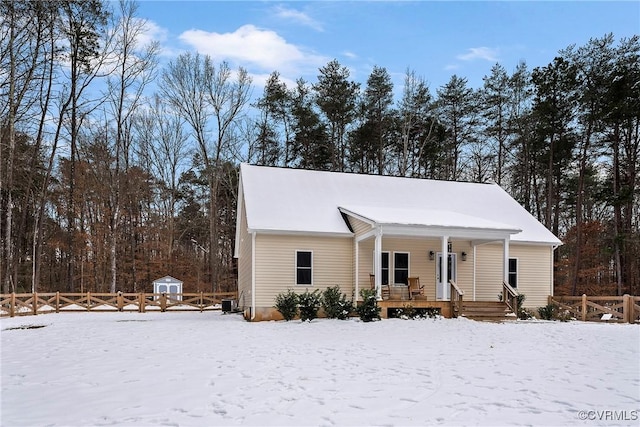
[(435, 39)]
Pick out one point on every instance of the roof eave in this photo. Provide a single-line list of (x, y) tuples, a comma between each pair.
[(301, 232)]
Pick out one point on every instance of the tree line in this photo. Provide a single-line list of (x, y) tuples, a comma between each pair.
[(109, 181)]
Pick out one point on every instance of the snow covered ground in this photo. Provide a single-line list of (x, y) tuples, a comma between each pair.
[(204, 369)]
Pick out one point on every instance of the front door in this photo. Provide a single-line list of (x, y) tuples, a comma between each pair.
[(443, 290)]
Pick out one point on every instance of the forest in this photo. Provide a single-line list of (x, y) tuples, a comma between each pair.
[(117, 169)]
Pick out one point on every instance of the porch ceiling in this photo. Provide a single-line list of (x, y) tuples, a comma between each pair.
[(428, 223)]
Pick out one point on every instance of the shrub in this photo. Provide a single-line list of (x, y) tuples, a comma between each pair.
[(523, 313), (309, 304), (335, 304), (406, 312), (368, 310), (287, 304), (563, 316), (410, 312), (547, 312)]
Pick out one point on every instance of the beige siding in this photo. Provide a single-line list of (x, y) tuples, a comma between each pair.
[(419, 263), (489, 272), (244, 265), (534, 272), (275, 264), (359, 227)]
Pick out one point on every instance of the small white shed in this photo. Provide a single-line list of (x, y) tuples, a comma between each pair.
[(168, 285)]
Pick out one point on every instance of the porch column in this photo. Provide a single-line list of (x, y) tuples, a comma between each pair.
[(444, 270), (377, 264), (356, 289), (505, 261)]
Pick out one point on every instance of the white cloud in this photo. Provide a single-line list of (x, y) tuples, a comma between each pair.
[(152, 32), (253, 47), (350, 54), (451, 67), (298, 17), (484, 53)]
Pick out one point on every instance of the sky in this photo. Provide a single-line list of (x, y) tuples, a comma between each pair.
[(209, 369), (435, 39)]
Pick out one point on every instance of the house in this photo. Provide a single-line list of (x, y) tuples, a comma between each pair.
[(301, 229), (168, 285)]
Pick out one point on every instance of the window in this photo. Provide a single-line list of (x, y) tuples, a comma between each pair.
[(304, 262), (385, 267), (513, 272), (400, 267)]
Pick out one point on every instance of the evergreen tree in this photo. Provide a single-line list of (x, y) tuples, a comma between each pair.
[(457, 107), (312, 148), (495, 112), (336, 97)]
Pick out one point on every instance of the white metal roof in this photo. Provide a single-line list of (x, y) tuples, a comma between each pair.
[(303, 201)]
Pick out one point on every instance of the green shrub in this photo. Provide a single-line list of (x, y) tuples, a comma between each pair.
[(547, 312), (406, 312), (287, 304), (309, 304), (335, 304), (410, 312), (368, 310), (523, 313)]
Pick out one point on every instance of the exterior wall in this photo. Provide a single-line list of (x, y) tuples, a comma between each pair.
[(419, 263), (489, 272), (275, 267), (534, 272), (244, 265)]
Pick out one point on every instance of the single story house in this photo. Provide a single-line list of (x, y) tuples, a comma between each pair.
[(301, 229)]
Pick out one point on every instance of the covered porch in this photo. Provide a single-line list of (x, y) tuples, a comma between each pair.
[(393, 245)]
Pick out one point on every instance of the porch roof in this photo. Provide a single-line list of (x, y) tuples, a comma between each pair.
[(428, 221)]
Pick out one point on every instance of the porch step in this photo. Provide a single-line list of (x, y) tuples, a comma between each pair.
[(486, 311)]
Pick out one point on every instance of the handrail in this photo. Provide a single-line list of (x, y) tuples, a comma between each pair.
[(454, 286), (456, 299), (510, 297)]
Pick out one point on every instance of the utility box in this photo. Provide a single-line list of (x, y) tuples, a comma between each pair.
[(229, 305)]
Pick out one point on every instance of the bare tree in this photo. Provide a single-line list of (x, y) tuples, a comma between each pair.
[(203, 94), (161, 148), (135, 68)]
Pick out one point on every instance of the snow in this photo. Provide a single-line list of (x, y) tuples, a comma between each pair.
[(424, 217), (295, 200), (195, 369)]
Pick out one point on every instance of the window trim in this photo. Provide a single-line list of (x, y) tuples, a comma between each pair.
[(408, 266), (510, 273), (295, 270)]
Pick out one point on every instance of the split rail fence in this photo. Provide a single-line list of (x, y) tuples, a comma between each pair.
[(622, 309), (40, 303)]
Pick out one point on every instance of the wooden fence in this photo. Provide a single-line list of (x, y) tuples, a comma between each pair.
[(41, 303), (624, 309)]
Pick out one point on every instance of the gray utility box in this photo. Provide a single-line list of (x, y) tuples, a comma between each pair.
[(229, 305)]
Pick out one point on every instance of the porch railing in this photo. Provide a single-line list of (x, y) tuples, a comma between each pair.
[(456, 299), (510, 297)]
